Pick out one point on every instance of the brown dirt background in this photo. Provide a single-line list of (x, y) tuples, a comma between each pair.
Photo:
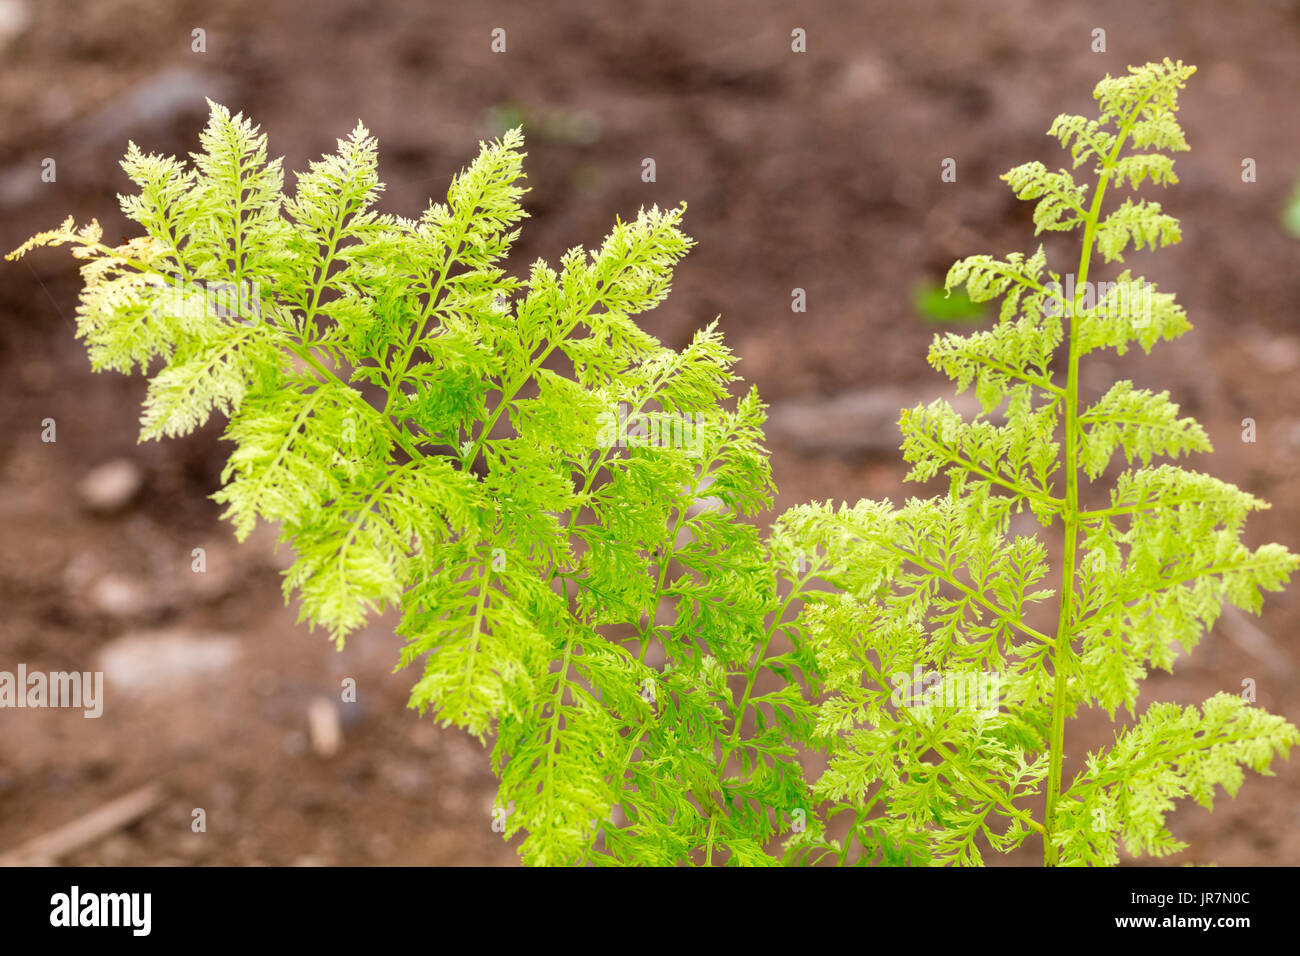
[(818, 170)]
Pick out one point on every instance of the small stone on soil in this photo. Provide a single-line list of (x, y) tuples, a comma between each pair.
[(110, 486)]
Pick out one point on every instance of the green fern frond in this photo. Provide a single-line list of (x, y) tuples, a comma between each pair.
[(556, 505), (926, 596)]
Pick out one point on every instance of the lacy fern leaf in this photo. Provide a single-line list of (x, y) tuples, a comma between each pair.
[(538, 487), (947, 703)]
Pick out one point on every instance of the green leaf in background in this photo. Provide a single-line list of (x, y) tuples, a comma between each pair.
[(934, 304)]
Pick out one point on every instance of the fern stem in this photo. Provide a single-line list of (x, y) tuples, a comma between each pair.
[(1029, 283), (509, 392), (627, 761), (860, 817), (1130, 771), (1161, 584), (1046, 384), (309, 316), (300, 349), (1047, 501), (398, 434), (670, 550), (949, 758), (997, 611), (561, 685), (395, 381), (1064, 630), (1002, 800), (476, 631), (734, 739)]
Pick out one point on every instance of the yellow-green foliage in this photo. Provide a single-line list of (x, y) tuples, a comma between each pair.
[(436, 435), (941, 587), (433, 435)]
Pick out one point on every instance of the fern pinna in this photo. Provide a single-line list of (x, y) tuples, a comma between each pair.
[(554, 502), (947, 709), (544, 490)]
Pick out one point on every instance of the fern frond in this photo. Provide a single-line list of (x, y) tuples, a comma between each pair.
[(1140, 422), (1141, 224), (1127, 791), (1130, 310), (1060, 201)]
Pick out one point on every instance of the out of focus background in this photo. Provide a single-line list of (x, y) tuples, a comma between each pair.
[(817, 170)]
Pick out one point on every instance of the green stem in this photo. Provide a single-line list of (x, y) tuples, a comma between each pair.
[(1046, 384), (417, 331), (670, 550), (943, 451), (1130, 771), (402, 439), (509, 391), (859, 817), (298, 348), (1005, 801), (954, 765), (1150, 504), (757, 665), (309, 317), (1064, 629), (1165, 583), (552, 738), (1000, 612)]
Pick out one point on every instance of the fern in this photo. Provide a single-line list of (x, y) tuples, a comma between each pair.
[(940, 592), (555, 504), (439, 437)]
